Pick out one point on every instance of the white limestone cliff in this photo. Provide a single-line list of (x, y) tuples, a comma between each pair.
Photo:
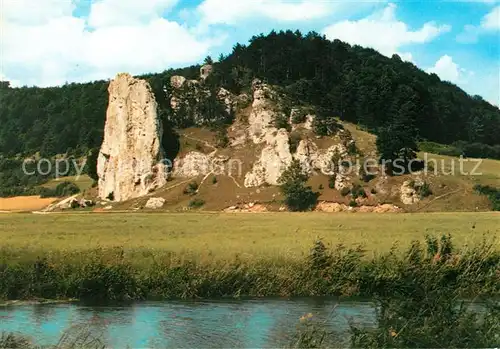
[(129, 163)]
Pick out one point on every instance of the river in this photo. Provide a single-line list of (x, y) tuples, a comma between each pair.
[(253, 323)]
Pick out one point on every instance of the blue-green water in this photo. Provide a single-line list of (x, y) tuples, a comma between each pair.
[(242, 324)]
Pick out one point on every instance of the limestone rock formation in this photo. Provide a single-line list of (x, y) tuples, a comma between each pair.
[(192, 164), (307, 123), (313, 159), (177, 81), (227, 98), (409, 193), (129, 162), (334, 207), (273, 160), (276, 155), (155, 203), (260, 120), (205, 71), (307, 155)]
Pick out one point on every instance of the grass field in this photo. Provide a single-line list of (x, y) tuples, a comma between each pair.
[(222, 236)]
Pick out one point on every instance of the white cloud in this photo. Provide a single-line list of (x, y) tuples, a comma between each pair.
[(29, 13), (126, 12), (489, 23), (384, 32), (48, 46), (485, 83), (447, 70), (492, 20), (231, 11)]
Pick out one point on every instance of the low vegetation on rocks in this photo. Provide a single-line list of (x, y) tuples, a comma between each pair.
[(493, 195), (61, 190)]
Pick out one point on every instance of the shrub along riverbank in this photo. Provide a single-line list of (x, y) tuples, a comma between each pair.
[(115, 275)]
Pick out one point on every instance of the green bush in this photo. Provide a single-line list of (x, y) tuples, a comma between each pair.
[(325, 125), (366, 177), (191, 188), (221, 138), (91, 164), (345, 191), (281, 121), (424, 190), (299, 116), (358, 191), (294, 141), (352, 149), (331, 181), (196, 203), (214, 180), (320, 187), (428, 310), (353, 203), (61, 190), (493, 195), (298, 196)]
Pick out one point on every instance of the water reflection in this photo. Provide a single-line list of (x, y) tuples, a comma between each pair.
[(215, 324)]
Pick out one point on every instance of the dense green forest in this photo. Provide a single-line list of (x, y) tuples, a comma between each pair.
[(351, 82), (355, 83)]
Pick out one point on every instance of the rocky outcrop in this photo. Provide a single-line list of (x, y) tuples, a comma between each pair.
[(306, 123), (334, 207), (177, 81), (70, 202), (261, 119), (195, 164), (155, 203), (409, 191), (205, 71), (276, 155), (314, 160), (192, 164), (273, 160), (250, 207), (227, 98), (129, 162)]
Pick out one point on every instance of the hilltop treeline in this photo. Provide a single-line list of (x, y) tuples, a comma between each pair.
[(362, 86), (357, 84)]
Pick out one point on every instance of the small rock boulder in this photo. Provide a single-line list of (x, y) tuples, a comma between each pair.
[(155, 203), (86, 203)]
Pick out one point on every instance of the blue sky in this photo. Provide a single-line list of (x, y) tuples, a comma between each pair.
[(51, 42)]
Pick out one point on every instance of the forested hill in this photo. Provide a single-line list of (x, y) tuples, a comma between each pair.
[(357, 84)]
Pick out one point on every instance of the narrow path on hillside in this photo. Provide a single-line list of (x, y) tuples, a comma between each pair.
[(199, 140), (437, 198)]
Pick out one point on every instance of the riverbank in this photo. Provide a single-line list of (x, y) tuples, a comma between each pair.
[(145, 274)]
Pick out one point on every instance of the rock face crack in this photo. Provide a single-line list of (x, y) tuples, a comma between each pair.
[(129, 163)]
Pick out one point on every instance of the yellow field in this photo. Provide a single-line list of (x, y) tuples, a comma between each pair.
[(222, 236), (24, 203)]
